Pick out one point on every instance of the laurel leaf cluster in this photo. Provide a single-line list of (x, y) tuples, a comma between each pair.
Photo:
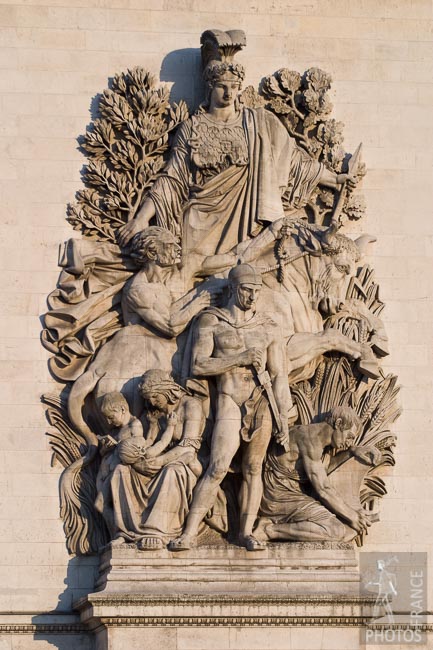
[(126, 146), (355, 207), (302, 103)]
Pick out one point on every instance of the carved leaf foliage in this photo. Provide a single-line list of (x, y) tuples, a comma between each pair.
[(355, 207), (84, 528), (302, 104), (350, 321), (327, 198), (290, 81), (364, 288), (126, 146), (251, 98)]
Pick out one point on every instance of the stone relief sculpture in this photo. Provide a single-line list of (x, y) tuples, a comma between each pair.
[(218, 339), (238, 345), (145, 497), (289, 511)]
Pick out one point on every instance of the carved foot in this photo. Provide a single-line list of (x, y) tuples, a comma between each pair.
[(182, 543), (117, 541), (260, 532), (251, 543), (150, 544)]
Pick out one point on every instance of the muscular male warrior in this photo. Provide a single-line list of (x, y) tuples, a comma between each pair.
[(233, 344)]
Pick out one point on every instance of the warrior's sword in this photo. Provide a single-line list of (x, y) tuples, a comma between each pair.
[(265, 382)]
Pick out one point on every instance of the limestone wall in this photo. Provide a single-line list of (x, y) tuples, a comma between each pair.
[(55, 56)]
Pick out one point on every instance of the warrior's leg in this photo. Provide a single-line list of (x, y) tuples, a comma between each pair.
[(252, 487), (225, 443)]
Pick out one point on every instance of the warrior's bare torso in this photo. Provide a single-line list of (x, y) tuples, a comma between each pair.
[(231, 340)]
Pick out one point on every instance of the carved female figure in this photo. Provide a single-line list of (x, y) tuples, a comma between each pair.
[(228, 168), (152, 487)]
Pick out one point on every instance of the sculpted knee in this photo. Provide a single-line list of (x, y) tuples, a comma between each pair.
[(252, 467), (217, 471)]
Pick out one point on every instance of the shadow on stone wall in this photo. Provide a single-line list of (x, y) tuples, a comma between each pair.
[(79, 581), (182, 68), (62, 628)]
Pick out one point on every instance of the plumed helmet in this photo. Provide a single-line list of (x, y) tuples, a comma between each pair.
[(218, 49)]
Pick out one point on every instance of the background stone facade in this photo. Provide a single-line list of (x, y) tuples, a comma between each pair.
[(55, 56)]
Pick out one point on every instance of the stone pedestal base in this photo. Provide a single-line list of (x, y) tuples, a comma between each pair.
[(295, 569), (284, 586)]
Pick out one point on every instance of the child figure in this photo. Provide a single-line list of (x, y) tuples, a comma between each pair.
[(124, 426), (184, 418), (165, 473)]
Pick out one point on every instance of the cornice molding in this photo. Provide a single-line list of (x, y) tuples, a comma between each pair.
[(219, 599), (42, 628)]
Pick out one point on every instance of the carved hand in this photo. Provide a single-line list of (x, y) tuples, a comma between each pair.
[(350, 179), (279, 226), (208, 297), (282, 437), (140, 222), (252, 357), (369, 455), (107, 443), (126, 232), (361, 521)]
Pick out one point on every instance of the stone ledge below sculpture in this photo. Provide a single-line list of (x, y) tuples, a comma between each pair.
[(297, 569), (301, 585)]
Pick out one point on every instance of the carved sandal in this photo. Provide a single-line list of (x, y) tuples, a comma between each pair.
[(150, 544)]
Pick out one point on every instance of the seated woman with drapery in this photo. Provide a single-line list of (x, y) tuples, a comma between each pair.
[(151, 487)]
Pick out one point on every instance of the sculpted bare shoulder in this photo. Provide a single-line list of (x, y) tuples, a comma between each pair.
[(207, 320)]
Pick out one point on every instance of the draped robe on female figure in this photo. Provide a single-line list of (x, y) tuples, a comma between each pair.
[(222, 184), (224, 181)]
